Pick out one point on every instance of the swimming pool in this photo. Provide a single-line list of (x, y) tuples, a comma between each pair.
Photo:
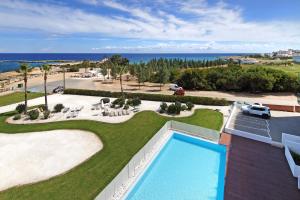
[(187, 168)]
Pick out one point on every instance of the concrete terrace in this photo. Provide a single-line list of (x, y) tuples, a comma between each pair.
[(257, 171)]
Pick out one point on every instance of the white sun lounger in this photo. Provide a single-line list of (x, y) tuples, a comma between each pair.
[(66, 109)]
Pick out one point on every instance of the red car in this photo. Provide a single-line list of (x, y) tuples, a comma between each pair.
[(179, 92)]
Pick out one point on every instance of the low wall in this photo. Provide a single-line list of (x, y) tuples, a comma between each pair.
[(292, 143), (297, 108), (282, 107), (198, 131)]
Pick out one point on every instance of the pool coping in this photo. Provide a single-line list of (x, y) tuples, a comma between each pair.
[(118, 190), (171, 134)]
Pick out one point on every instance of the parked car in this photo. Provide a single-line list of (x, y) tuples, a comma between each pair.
[(58, 89), (258, 110), (179, 92), (174, 87)]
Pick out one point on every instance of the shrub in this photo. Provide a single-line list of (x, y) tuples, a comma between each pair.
[(183, 107), (163, 107), (129, 102), (46, 114), (58, 107), (105, 100), (189, 105), (119, 101), (17, 117), (126, 107), (152, 97), (178, 107), (235, 78), (136, 101), (33, 114), (172, 109), (20, 108)]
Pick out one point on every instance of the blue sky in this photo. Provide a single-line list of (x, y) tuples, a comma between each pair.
[(142, 26)]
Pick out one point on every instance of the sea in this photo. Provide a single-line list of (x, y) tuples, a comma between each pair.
[(11, 61)]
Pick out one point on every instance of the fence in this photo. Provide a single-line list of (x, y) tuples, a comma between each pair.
[(122, 183), (196, 131)]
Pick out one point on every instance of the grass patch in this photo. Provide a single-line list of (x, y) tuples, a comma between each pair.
[(17, 97), (121, 142), (290, 69)]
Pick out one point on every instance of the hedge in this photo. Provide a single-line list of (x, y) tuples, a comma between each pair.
[(151, 97)]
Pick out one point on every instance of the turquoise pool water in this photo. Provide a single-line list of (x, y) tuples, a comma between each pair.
[(187, 168)]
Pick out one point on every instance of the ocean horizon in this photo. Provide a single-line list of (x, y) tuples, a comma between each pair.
[(11, 61)]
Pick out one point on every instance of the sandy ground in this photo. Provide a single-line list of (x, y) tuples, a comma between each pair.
[(73, 101), (32, 157)]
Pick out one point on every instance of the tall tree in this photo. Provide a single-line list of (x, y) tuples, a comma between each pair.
[(163, 75), (24, 69), (46, 69), (104, 71), (140, 73), (120, 65), (86, 65)]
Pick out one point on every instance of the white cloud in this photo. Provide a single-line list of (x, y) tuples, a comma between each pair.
[(198, 21), (190, 47)]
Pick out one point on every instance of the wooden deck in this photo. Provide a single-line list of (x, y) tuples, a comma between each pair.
[(257, 171)]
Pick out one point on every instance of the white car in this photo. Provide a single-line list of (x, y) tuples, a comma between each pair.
[(174, 87), (259, 110)]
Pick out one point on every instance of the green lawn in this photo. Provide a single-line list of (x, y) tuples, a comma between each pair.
[(17, 97), (121, 142), (291, 69)]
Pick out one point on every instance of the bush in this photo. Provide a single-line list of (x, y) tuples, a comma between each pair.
[(136, 101), (126, 107), (33, 114), (189, 105), (58, 107), (17, 117), (152, 97), (46, 114), (20, 108), (235, 78), (105, 100), (178, 107), (172, 109), (163, 107), (183, 107), (119, 101)]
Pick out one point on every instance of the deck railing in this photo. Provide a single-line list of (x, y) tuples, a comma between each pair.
[(123, 182)]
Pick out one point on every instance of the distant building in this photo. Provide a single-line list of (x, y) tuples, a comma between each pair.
[(286, 53)]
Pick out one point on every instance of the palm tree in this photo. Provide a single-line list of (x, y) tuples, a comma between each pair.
[(46, 69), (24, 69)]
